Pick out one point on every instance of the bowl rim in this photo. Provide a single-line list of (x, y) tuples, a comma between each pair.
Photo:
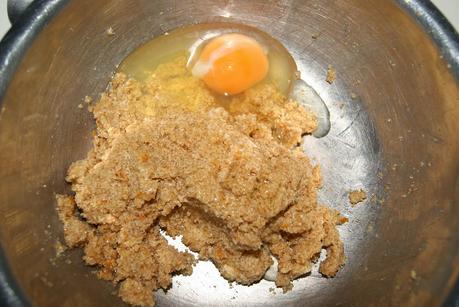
[(24, 31)]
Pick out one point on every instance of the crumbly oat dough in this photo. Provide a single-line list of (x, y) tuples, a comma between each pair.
[(331, 74), (234, 184), (357, 196)]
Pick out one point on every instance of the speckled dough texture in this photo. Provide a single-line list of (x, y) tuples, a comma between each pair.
[(231, 180)]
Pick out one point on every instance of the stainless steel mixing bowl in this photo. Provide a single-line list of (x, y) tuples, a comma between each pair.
[(395, 127)]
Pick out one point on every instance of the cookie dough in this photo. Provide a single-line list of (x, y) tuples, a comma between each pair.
[(228, 176)]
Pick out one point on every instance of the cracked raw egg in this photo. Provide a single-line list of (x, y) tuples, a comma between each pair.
[(230, 59), (231, 63)]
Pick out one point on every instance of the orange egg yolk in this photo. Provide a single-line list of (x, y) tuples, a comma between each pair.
[(231, 64)]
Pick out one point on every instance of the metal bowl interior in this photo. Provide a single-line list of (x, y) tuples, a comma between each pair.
[(394, 110)]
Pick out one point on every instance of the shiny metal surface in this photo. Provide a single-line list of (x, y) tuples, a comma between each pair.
[(394, 110), (16, 8)]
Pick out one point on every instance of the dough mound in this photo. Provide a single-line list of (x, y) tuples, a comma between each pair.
[(233, 183)]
